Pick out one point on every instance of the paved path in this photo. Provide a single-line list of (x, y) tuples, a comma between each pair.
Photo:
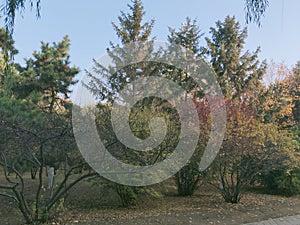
[(289, 220)]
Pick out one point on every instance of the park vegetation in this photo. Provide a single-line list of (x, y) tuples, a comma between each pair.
[(261, 143)]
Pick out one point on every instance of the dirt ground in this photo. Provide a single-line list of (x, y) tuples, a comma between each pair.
[(86, 204)]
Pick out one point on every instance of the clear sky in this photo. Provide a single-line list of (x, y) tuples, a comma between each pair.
[(88, 24)]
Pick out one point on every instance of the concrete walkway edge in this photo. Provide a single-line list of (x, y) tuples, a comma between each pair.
[(288, 220)]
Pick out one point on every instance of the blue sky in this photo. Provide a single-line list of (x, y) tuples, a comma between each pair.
[(88, 24)]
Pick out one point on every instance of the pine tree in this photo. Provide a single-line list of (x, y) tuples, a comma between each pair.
[(49, 75), (34, 131)]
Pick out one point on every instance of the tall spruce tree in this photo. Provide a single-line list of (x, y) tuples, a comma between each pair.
[(133, 35), (188, 36), (131, 28), (239, 72), (107, 82)]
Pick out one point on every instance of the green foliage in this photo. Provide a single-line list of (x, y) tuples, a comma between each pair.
[(139, 120), (35, 124), (39, 101), (239, 72), (127, 194), (284, 182), (188, 36), (131, 28), (35, 129), (7, 43), (279, 106), (48, 75), (132, 33), (187, 179)]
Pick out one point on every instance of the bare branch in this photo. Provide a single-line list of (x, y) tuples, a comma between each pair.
[(8, 196)]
